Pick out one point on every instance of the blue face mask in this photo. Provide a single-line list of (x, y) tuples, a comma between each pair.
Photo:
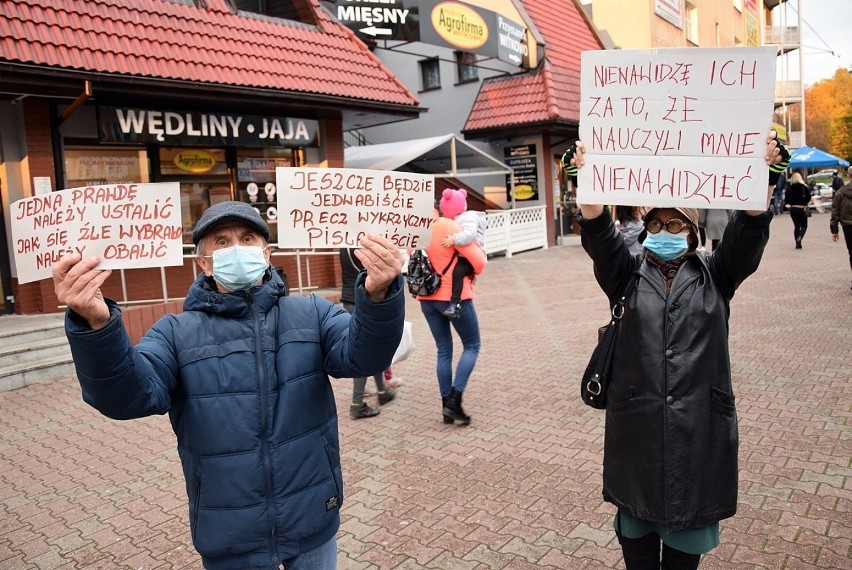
[(666, 246), (238, 267)]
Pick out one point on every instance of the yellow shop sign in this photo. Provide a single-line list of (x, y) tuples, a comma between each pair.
[(195, 161), (459, 25)]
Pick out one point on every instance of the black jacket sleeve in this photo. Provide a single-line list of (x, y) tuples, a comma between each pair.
[(614, 264)]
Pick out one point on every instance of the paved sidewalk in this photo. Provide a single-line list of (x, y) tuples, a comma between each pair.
[(520, 487)]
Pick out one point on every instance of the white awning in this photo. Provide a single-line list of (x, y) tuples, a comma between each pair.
[(445, 156)]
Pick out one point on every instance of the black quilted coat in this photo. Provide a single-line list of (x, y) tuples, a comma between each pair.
[(670, 451)]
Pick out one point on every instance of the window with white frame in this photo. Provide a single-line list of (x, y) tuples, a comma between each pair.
[(430, 74), (466, 67), (691, 23)]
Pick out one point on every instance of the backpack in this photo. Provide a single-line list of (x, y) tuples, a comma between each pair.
[(422, 278)]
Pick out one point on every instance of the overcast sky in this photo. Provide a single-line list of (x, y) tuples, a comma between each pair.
[(825, 22)]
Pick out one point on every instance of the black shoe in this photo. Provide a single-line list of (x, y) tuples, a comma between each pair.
[(386, 396), (798, 244), (453, 408), (453, 312), (361, 411), (447, 419)]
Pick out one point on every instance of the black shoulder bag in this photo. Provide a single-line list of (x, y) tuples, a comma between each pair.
[(595, 381)]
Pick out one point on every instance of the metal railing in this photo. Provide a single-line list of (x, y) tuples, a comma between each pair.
[(507, 231), (780, 36)]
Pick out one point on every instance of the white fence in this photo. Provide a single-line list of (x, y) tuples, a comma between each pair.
[(511, 231)]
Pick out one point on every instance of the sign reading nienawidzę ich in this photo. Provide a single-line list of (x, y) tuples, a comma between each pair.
[(676, 127)]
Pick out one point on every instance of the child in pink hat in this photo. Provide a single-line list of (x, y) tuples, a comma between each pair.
[(454, 206)]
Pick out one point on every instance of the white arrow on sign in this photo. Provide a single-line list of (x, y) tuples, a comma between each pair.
[(515, 58), (374, 31)]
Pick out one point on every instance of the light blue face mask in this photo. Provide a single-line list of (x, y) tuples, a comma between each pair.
[(666, 246), (239, 267)]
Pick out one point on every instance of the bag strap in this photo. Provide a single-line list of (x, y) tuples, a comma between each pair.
[(453, 258), (616, 314)]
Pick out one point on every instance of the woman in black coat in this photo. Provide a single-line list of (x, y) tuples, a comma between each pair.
[(798, 197), (670, 443)]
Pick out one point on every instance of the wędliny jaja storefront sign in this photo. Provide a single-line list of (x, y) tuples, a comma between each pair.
[(122, 125)]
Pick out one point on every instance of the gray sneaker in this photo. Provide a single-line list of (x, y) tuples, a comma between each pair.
[(362, 410), (386, 396)]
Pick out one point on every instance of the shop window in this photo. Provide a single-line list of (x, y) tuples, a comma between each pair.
[(100, 166), (466, 67), (256, 183), (204, 180), (430, 74)]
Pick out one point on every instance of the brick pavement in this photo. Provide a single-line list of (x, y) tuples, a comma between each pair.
[(520, 487)]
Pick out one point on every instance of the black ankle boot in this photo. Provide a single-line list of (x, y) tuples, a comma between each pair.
[(447, 419), (454, 311), (453, 408)]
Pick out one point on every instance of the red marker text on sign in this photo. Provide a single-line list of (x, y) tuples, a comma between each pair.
[(669, 182), (733, 73)]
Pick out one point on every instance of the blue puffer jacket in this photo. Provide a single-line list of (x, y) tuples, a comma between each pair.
[(244, 378)]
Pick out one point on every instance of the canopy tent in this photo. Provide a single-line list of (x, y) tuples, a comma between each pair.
[(445, 156), (811, 157)]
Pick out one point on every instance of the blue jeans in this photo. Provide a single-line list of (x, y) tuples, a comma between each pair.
[(777, 202), (323, 557), (467, 327)]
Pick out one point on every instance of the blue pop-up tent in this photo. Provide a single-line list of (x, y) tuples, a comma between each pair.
[(811, 157)]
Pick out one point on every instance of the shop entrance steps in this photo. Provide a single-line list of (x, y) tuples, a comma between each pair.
[(33, 348)]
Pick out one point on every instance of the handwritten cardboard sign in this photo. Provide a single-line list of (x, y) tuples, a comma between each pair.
[(126, 225), (676, 127), (334, 207)]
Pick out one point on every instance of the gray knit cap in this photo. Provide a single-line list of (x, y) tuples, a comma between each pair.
[(226, 212)]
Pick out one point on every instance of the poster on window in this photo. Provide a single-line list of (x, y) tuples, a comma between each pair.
[(129, 226), (522, 159), (257, 186)]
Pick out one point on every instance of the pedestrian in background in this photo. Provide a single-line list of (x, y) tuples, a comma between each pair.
[(629, 222), (836, 182), (670, 439), (473, 225), (841, 214), (778, 194), (452, 386), (715, 222), (798, 197), (243, 373), (350, 267)]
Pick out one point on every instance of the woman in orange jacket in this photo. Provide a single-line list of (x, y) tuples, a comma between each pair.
[(466, 326)]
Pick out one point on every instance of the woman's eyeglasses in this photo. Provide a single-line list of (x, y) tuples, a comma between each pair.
[(673, 226)]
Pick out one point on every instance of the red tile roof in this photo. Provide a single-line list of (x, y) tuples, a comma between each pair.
[(168, 40), (550, 93)]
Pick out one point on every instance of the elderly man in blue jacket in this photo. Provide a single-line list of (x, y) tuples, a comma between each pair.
[(243, 373)]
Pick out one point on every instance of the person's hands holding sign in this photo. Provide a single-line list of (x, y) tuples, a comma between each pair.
[(383, 263), (78, 285), (776, 156)]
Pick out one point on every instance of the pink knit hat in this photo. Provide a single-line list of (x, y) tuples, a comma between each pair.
[(453, 202)]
